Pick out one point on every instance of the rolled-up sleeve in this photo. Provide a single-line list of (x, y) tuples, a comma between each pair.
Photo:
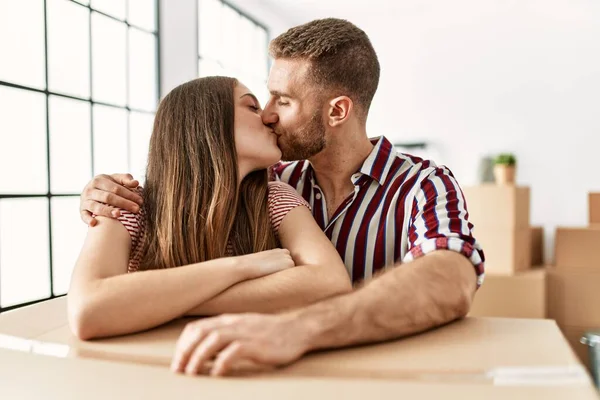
[(439, 221)]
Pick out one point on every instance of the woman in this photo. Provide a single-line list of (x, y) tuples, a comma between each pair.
[(209, 211)]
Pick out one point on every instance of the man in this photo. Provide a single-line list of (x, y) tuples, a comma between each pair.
[(380, 209)]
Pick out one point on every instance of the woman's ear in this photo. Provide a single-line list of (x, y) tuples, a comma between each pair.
[(339, 110)]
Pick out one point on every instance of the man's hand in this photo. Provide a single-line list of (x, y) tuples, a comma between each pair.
[(106, 194), (239, 339)]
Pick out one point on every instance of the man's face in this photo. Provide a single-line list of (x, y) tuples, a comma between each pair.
[(295, 110)]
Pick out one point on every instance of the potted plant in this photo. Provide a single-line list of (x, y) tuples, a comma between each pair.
[(504, 169)]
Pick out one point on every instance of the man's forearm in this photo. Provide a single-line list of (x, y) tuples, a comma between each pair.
[(428, 292), (293, 287)]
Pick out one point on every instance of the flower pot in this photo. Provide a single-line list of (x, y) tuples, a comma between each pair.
[(504, 174)]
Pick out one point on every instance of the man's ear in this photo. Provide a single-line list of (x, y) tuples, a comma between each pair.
[(339, 110)]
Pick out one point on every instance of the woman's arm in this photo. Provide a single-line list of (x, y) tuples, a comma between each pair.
[(104, 300), (320, 273)]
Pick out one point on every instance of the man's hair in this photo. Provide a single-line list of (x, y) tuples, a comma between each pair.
[(342, 57)]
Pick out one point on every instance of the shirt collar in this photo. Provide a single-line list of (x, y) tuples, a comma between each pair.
[(378, 163)]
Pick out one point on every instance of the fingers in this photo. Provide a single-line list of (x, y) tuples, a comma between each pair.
[(99, 209), (86, 217), (115, 196), (227, 358), (126, 180), (187, 343), (205, 351), (115, 187)]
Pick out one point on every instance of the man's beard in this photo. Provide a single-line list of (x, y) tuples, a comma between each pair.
[(304, 142)]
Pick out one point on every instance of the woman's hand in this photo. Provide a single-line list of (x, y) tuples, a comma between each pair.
[(267, 262)]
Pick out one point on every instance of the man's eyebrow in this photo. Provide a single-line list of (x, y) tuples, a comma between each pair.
[(279, 94), (250, 95)]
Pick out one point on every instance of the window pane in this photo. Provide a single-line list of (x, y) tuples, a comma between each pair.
[(142, 13), (108, 60), (68, 235), (247, 57), (210, 68), (22, 42), (116, 8), (231, 49), (68, 48), (209, 30), (140, 128), (23, 148), (70, 145), (24, 255), (110, 140), (142, 70)]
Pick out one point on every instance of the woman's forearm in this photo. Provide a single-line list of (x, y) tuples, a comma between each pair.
[(136, 301), (294, 287)]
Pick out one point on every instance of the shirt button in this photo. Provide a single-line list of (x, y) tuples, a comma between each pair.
[(318, 196)]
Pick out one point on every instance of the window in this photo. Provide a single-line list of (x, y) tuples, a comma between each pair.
[(78, 92), (231, 43)]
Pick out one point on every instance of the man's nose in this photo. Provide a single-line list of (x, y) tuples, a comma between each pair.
[(268, 116)]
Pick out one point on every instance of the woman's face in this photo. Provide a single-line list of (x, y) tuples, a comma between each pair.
[(255, 143)]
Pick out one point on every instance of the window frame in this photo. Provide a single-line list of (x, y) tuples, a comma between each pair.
[(242, 14), (49, 194)]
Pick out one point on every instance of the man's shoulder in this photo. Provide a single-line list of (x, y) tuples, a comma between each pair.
[(409, 166)]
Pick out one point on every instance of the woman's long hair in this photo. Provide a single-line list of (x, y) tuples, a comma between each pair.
[(191, 198)]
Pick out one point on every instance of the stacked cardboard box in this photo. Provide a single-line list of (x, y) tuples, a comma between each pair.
[(574, 283), (500, 215), (594, 208)]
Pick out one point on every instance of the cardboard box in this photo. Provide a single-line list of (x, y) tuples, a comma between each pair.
[(577, 248), (594, 208), (472, 348), (26, 376), (507, 251), (519, 296), (537, 246), (574, 297), (498, 206)]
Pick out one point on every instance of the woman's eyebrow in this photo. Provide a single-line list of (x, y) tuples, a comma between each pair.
[(251, 95)]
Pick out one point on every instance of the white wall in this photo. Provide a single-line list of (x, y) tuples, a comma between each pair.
[(178, 37), (472, 77), (500, 76)]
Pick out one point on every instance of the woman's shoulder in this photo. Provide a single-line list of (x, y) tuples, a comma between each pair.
[(282, 199), (281, 191), (134, 222)]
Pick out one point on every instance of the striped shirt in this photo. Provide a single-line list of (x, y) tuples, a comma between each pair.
[(402, 208), (281, 200)]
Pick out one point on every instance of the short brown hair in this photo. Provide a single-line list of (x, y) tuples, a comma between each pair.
[(342, 57)]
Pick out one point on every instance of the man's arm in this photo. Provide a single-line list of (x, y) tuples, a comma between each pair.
[(430, 291), (426, 293)]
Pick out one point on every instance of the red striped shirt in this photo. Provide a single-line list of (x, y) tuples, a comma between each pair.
[(403, 207), (281, 200)]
